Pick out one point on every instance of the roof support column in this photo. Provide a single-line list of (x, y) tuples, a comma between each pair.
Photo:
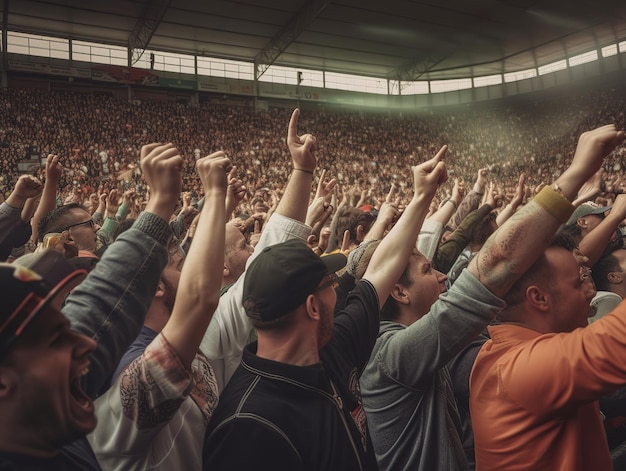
[(145, 27), (296, 25)]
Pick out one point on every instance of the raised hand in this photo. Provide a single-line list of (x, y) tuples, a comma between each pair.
[(481, 180), (324, 239), (213, 170), (236, 191), (590, 188), (345, 243), (302, 148), (428, 175), (325, 187), (340, 196), (129, 195), (102, 201), (54, 169), (458, 191), (592, 147), (490, 196), (28, 186), (113, 202), (74, 196), (255, 237), (318, 212), (201, 277), (161, 165), (520, 191), (389, 208)]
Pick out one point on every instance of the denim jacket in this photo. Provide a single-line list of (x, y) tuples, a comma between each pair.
[(111, 304)]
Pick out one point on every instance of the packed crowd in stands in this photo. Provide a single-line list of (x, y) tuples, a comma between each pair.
[(210, 288), (98, 140)]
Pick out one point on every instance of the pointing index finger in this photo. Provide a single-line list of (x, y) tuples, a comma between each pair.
[(442, 152), (392, 190), (293, 124)]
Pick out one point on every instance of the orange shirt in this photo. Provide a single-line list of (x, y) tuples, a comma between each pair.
[(533, 397)]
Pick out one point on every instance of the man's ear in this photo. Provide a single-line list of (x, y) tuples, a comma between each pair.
[(160, 291), (360, 232), (313, 308), (615, 277), (537, 298), (66, 236), (400, 294)]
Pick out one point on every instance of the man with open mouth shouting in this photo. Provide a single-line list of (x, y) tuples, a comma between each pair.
[(62, 332)]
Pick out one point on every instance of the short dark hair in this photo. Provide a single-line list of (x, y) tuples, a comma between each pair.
[(390, 309), (573, 230), (349, 219), (538, 274), (53, 221), (274, 325), (607, 264)]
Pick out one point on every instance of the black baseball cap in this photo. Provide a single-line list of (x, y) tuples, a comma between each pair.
[(281, 277), (46, 277)]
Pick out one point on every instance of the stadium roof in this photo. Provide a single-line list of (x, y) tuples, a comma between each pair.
[(407, 39)]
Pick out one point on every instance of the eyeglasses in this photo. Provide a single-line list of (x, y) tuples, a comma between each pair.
[(333, 282), (88, 221)]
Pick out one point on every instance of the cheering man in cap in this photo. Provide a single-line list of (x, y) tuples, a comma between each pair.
[(50, 364), (294, 402)]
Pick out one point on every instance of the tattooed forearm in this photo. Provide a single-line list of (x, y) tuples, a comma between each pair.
[(506, 255)]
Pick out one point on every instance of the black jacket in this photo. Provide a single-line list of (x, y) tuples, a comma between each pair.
[(277, 416)]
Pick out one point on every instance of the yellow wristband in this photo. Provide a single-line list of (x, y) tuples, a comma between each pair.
[(555, 203)]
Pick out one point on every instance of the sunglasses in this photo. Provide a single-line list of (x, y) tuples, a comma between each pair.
[(88, 221), (333, 282)]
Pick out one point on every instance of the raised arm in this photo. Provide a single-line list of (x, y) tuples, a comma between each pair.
[(457, 241), (14, 231), (229, 331), (334, 242), (387, 214), (295, 201), (111, 304), (472, 200), (515, 246), (201, 276), (516, 201), (595, 242), (26, 187), (48, 200), (450, 205), (391, 256), (320, 209), (235, 192)]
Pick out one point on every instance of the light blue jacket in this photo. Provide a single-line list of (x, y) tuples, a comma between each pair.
[(406, 387)]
